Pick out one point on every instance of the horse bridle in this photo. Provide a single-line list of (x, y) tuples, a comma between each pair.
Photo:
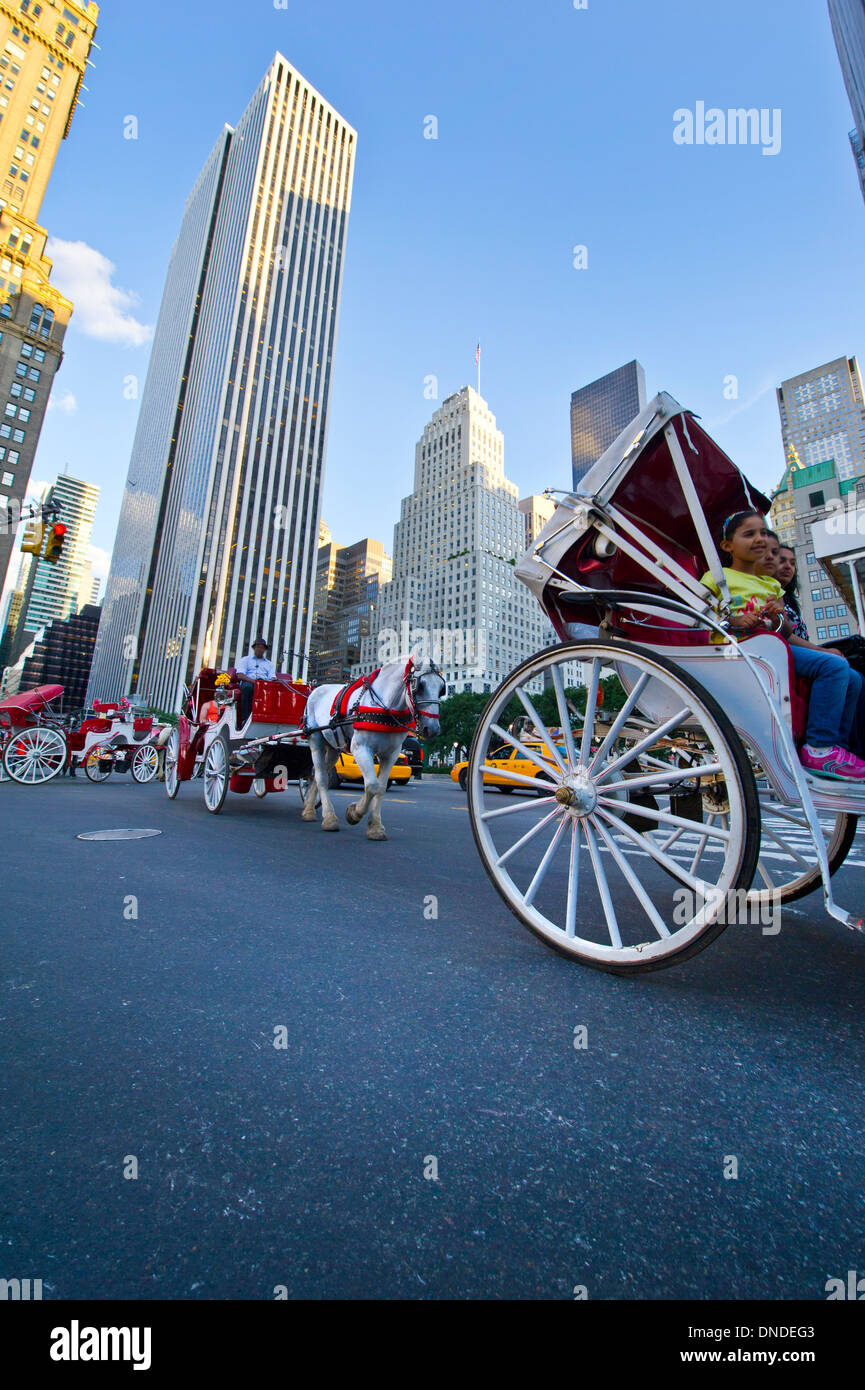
[(409, 681)]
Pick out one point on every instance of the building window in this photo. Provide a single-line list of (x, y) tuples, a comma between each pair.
[(842, 610), (11, 410), (39, 354), (34, 373), (818, 614), (830, 612), (29, 394), (821, 634), (814, 577), (827, 593), (833, 630), (8, 479), (816, 499), (16, 388), (23, 414), (26, 349), (845, 629), (5, 431), (14, 456), (18, 436), (20, 368), (816, 595)]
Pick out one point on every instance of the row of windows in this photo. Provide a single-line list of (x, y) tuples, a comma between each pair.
[(833, 631), (19, 412), (11, 457), (7, 432)]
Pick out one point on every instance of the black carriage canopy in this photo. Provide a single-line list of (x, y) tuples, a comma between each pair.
[(647, 518)]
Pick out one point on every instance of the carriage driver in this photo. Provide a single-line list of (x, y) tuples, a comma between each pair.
[(254, 667)]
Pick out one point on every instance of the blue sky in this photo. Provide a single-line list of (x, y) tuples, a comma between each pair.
[(555, 129)]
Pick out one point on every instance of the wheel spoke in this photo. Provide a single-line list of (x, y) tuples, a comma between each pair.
[(564, 714), (603, 888), (521, 806), (650, 813), (573, 882), (521, 748), (697, 884), (644, 743), (613, 733), (636, 887), (676, 774), (540, 872), (529, 835), (541, 731), (591, 710)]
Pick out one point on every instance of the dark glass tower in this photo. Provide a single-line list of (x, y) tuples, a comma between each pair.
[(601, 410)]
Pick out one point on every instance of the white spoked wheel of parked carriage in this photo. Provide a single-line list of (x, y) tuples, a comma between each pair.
[(145, 763), (99, 764), (788, 868), (216, 773), (170, 764), (34, 755), (599, 864)]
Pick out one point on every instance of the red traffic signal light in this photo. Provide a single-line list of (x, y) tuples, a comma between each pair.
[(54, 544)]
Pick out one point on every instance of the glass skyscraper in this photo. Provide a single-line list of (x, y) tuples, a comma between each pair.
[(848, 27), (601, 410), (218, 532)]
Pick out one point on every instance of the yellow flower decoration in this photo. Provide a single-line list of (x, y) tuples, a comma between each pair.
[(222, 679)]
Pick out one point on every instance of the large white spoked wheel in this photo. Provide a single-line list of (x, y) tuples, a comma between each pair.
[(216, 773), (594, 852), (34, 755), (4, 775), (145, 763), (99, 764), (171, 764), (787, 868)]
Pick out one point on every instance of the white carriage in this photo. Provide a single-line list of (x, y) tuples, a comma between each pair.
[(687, 808)]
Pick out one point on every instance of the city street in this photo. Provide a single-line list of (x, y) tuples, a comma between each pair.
[(145, 982)]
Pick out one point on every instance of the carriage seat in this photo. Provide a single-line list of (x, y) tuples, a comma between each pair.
[(76, 738), (106, 707)]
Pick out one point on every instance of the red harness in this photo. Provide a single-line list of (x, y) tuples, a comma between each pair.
[(377, 719)]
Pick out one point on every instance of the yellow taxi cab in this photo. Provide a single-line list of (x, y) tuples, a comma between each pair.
[(347, 770), (501, 761)]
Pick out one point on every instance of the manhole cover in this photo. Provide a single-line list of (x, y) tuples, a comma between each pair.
[(118, 834)]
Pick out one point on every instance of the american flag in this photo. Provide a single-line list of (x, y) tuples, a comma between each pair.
[(478, 354)]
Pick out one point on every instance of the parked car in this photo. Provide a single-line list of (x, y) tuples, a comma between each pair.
[(347, 770), (413, 749)]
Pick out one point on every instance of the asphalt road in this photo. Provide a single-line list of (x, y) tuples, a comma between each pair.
[(150, 1037)]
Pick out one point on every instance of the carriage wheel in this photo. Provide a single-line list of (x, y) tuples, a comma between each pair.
[(259, 786), (569, 863), (171, 764), (34, 755), (99, 764), (4, 775), (145, 763), (787, 868), (216, 773)]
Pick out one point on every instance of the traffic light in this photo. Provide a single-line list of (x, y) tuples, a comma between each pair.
[(54, 543), (33, 534)]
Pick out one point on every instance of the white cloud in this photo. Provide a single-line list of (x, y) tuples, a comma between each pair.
[(100, 560), (66, 403), (102, 310)]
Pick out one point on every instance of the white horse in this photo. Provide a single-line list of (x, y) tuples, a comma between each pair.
[(371, 716)]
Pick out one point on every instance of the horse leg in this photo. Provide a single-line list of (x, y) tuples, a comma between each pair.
[(321, 762), (375, 829), (365, 760)]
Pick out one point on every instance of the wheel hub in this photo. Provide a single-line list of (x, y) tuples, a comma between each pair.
[(577, 793)]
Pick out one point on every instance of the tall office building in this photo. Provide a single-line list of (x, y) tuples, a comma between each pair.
[(455, 545), (537, 510), (348, 581), (219, 528), (601, 410), (58, 590), (848, 27), (45, 49), (823, 417)]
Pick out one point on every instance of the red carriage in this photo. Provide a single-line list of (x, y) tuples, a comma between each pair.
[(263, 753), (38, 743)]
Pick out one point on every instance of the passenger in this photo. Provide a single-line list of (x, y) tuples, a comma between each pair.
[(757, 605)]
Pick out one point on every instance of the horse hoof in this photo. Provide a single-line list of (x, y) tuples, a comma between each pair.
[(330, 823), (376, 835), (351, 814), (308, 815)]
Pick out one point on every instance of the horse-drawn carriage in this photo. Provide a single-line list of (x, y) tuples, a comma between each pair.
[(688, 807), (38, 743), (264, 752)]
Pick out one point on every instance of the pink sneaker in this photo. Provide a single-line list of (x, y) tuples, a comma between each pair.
[(833, 762)]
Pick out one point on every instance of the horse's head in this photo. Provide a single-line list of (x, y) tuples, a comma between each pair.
[(426, 686)]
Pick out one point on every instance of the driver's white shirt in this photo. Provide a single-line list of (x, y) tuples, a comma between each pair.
[(257, 668)]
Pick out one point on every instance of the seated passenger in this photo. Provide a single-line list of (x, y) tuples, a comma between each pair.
[(254, 667), (757, 605)]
